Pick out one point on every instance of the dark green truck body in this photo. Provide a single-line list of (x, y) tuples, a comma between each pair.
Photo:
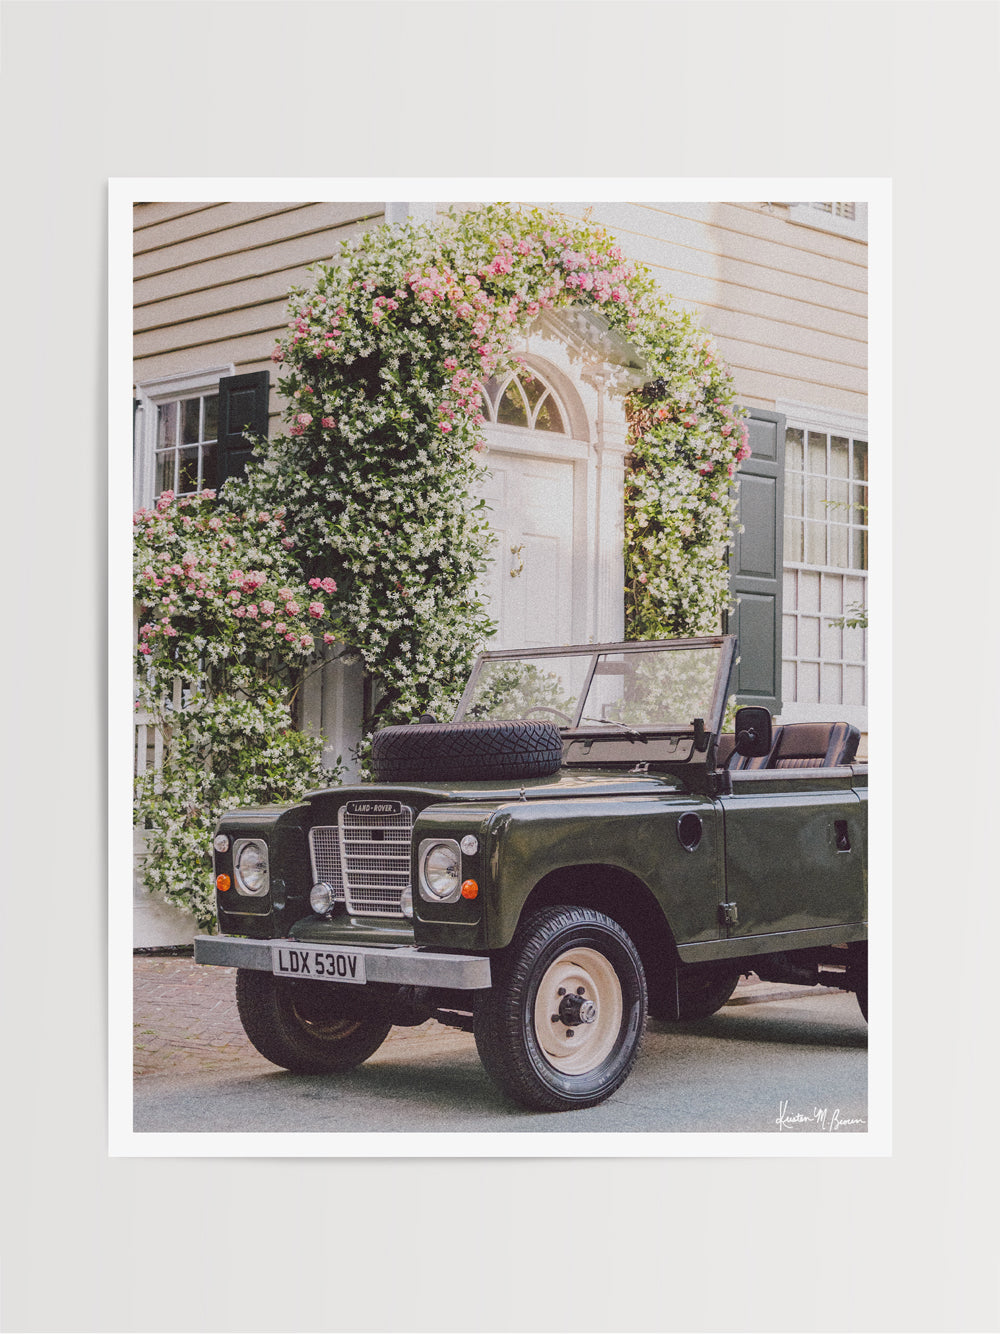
[(703, 865)]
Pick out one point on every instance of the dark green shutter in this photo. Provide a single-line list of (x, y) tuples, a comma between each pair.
[(756, 564), (243, 403)]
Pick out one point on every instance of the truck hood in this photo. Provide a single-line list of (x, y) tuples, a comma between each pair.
[(575, 783)]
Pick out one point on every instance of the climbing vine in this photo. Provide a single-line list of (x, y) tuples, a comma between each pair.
[(377, 467), (227, 625)]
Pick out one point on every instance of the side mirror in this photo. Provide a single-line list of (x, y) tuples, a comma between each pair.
[(753, 731)]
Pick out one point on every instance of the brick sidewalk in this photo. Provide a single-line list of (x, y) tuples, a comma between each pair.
[(185, 1019)]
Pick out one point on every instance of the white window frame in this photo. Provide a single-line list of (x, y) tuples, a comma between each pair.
[(825, 218), (150, 394), (549, 391), (809, 417)]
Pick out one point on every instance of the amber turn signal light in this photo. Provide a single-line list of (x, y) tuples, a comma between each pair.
[(222, 882), (469, 889)]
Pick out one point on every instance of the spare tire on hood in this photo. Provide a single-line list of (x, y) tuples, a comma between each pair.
[(443, 752)]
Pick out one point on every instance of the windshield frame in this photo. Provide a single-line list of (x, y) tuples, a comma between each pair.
[(717, 708)]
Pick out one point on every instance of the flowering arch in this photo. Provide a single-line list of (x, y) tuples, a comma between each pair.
[(382, 366)]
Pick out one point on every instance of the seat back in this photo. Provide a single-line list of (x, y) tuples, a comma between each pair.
[(813, 746), (727, 756), (725, 750)]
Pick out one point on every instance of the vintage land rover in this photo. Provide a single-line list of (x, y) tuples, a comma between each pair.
[(581, 846)]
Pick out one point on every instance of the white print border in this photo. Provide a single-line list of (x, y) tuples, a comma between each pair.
[(123, 1141)]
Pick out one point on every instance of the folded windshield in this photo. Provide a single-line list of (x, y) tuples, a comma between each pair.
[(621, 687)]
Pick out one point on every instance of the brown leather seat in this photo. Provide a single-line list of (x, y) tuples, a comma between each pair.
[(813, 746), (724, 750), (727, 758)]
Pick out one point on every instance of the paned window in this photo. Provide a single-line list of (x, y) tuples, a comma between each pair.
[(826, 572), (826, 499), (187, 431), (523, 399), (176, 434)]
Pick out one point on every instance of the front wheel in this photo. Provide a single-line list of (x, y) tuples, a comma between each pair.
[(304, 1026), (562, 1025)]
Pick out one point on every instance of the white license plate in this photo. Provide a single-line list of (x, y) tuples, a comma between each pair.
[(318, 963)]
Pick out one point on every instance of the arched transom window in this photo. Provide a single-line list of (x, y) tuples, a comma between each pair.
[(523, 399)]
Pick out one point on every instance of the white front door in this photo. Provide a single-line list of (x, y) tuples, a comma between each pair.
[(530, 587)]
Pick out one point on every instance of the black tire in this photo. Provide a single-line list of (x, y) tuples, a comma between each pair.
[(702, 989), (560, 954), (857, 974), (302, 1026), (441, 752)]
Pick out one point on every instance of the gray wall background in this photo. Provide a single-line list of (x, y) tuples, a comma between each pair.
[(95, 90)]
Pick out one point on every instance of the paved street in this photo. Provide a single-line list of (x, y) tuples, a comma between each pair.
[(771, 1045)]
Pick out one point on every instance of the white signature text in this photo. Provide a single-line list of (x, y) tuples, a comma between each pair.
[(820, 1118)]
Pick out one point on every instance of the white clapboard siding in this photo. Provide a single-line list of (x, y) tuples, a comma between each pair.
[(212, 280), (787, 305)]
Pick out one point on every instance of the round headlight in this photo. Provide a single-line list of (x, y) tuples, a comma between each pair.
[(250, 864), (470, 845), (321, 898), (221, 843), (441, 870)]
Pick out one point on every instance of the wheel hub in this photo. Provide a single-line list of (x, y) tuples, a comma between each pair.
[(575, 1010), (578, 1011)]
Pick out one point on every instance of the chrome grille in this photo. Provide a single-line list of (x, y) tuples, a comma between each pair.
[(375, 856), (366, 858), (324, 850)]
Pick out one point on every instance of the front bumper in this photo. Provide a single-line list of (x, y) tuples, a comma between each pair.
[(401, 965)]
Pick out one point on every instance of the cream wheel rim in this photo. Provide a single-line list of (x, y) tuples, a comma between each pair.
[(578, 1011)]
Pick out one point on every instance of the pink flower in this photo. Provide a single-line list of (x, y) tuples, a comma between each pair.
[(329, 586), (316, 609), (263, 517), (267, 608), (234, 597), (252, 610), (327, 639), (642, 578), (306, 641), (292, 608), (281, 627), (277, 355), (450, 364), (144, 648), (315, 583), (287, 543), (328, 422)]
